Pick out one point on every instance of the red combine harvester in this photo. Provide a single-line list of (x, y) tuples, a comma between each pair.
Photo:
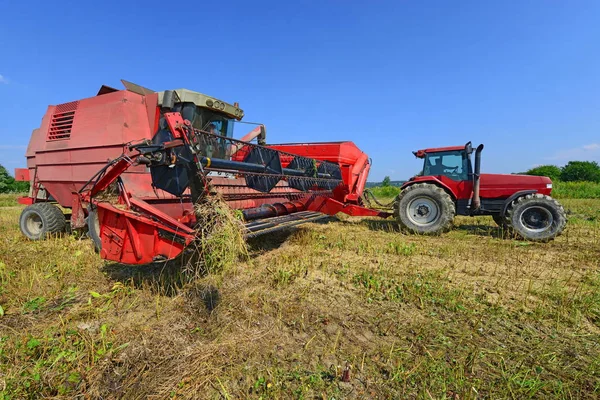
[(131, 164)]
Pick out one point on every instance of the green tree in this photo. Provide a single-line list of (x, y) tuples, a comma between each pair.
[(386, 181), (8, 183), (551, 171), (579, 171)]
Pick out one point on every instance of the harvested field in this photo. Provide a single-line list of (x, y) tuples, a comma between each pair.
[(345, 309)]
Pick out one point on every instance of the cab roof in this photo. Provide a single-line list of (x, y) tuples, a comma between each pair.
[(422, 153)]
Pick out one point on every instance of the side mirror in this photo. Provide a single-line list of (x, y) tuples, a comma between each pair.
[(468, 148)]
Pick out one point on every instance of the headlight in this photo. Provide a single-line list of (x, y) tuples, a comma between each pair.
[(548, 186)]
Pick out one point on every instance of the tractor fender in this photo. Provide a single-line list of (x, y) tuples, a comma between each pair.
[(512, 198), (430, 180)]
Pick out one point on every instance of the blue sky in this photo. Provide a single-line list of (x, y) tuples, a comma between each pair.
[(523, 77)]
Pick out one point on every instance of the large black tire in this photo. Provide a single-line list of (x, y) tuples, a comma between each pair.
[(39, 220), (94, 229), (537, 217), (424, 209)]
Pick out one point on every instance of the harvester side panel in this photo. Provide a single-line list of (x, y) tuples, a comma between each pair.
[(76, 139)]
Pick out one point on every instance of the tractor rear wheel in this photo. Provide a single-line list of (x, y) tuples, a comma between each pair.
[(424, 209), (39, 220), (537, 217)]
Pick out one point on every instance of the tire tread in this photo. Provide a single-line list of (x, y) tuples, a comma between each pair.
[(562, 220)]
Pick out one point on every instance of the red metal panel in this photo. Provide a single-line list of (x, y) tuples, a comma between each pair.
[(22, 174), (25, 200), (459, 190), (134, 239), (504, 185), (100, 127)]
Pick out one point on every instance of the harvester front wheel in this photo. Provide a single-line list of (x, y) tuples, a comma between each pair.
[(424, 209), (39, 220), (537, 217), (94, 229)]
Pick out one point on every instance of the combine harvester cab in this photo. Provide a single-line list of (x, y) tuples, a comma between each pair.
[(132, 164)]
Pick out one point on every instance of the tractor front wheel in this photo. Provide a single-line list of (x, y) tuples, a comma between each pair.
[(537, 217), (40, 220), (424, 209)]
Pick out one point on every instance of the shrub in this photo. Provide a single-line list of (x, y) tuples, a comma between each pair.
[(551, 171), (579, 171)]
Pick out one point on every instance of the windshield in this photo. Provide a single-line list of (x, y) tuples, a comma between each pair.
[(206, 120), (453, 164)]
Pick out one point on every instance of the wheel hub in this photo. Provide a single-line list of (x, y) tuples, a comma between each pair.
[(423, 211), (34, 224), (537, 219)]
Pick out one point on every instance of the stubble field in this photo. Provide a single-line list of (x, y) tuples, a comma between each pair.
[(350, 308)]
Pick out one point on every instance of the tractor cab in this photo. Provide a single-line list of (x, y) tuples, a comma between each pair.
[(453, 162)]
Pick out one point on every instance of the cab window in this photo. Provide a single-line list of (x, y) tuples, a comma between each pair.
[(453, 164)]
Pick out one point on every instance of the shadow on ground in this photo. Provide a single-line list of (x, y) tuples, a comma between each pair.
[(384, 225), (269, 241), (484, 230), (272, 241), (470, 229), (165, 277)]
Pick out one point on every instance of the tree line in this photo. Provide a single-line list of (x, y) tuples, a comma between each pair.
[(573, 171)]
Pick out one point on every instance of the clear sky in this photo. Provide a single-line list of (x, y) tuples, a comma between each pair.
[(523, 76)]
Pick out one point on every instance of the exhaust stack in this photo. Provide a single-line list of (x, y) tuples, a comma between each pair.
[(476, 201)]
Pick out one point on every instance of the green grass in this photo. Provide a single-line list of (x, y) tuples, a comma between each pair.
[(385, 192), (576, 190), (465, 315)]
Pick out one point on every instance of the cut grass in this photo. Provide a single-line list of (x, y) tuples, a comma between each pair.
[(465, 315)]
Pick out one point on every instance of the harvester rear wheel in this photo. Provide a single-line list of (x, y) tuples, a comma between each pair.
[(537, 217), (39, 220), (424, 209)]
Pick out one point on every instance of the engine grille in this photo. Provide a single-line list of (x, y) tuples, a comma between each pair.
[(62, 121)]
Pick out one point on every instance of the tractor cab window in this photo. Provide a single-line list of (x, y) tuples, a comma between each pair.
[(453, 164)]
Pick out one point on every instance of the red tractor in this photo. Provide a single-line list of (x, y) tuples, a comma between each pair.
[(450, 185)]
